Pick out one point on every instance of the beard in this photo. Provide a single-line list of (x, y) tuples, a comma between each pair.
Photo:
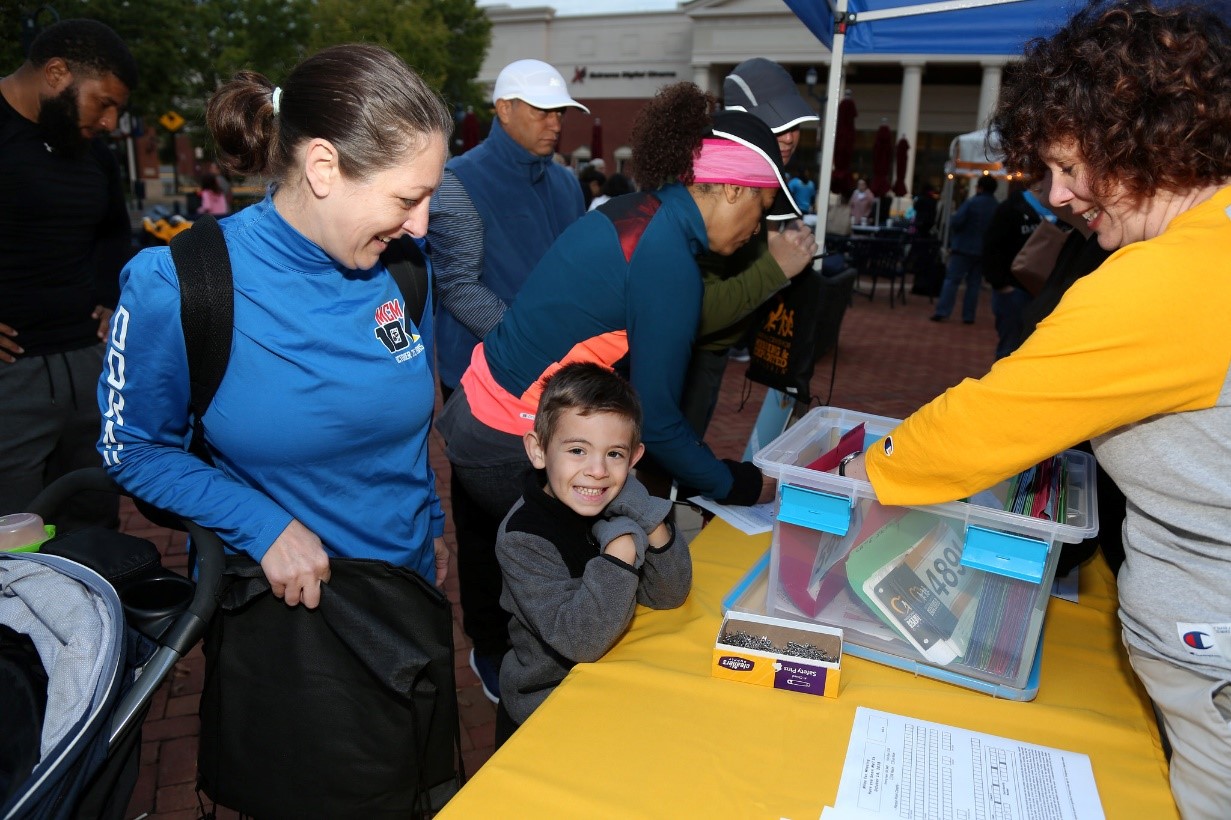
[(59, 120)]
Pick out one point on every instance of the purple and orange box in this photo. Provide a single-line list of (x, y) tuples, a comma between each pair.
[(774, 667)]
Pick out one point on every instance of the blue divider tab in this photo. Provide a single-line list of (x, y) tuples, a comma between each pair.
[(1014, 556), (815, 509)]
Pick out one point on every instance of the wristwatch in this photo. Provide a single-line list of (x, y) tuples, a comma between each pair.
[(847, 459)]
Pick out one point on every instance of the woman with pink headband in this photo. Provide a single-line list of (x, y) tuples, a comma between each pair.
[(622, 284)]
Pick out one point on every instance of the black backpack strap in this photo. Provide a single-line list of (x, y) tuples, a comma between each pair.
[(207, 314), (408, 267)]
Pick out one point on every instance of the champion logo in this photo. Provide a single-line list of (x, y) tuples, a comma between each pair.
[(1205, 640), (1197, 640), (735, 664)]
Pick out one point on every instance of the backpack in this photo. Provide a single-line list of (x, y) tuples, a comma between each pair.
[(207, 313)]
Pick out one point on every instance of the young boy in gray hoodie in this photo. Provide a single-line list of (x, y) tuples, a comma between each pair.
[(585, 544)]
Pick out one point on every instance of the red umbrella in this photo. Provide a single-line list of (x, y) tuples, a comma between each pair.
[(882, 158), (899, 184), (596, 140), (470, 131), (844, 147)]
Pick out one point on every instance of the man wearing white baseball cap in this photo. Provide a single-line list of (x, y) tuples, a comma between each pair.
[(499, 208), (535, 82)]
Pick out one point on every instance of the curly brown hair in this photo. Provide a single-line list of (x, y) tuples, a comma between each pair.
[(1145, 93), (666, 134)]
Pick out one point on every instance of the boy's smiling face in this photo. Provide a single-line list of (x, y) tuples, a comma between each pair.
[(587, 460)]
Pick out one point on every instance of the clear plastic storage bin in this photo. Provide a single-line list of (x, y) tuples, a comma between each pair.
[(953, 591)]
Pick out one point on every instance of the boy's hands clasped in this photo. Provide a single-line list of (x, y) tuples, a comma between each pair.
[(633, 522), (635, 501), (622, 538)]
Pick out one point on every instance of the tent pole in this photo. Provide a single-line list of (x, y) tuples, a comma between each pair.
[(840, 10), (832, 98)]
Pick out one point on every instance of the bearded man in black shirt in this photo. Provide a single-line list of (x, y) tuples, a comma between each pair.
[(64, 235)]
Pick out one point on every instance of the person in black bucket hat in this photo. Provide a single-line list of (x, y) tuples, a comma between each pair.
[(753, 133), (735, 286)]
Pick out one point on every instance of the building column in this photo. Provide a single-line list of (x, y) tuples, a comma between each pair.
[(988, 92), (701, 77), (908, 116)]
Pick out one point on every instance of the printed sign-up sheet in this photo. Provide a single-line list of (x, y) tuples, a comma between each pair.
[(918, 770)]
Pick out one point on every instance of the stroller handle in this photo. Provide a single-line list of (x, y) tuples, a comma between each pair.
[(66, 486), (191, 624)]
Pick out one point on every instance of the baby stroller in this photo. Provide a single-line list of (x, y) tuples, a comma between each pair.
[(103, 654)]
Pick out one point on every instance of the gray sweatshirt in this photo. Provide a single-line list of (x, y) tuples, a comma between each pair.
[(569, 602)]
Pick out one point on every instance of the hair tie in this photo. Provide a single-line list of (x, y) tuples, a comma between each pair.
[(277, 99)]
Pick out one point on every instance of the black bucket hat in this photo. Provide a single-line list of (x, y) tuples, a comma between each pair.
[(752, 132)]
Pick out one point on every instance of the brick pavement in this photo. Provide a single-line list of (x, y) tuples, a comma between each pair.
[(890, 361)]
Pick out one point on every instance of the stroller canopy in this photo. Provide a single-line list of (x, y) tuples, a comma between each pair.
[(75, 621)]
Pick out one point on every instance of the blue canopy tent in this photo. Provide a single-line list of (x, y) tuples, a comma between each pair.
[(904, 27)]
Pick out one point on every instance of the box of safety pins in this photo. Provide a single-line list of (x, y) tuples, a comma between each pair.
[(768, 651)]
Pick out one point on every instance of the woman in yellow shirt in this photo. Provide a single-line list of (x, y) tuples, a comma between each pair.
[(1129, 107)]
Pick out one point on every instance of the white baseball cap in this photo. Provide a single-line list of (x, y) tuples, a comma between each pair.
[(534, 82)]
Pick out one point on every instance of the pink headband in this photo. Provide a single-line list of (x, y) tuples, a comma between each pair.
[(727, 161)]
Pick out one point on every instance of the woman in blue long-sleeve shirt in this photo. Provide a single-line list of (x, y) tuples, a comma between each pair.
[(319, 428)]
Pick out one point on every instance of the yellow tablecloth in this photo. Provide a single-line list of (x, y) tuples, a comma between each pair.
[(646, 732)]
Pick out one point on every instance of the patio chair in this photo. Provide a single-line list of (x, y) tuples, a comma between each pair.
[(881, 258)]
